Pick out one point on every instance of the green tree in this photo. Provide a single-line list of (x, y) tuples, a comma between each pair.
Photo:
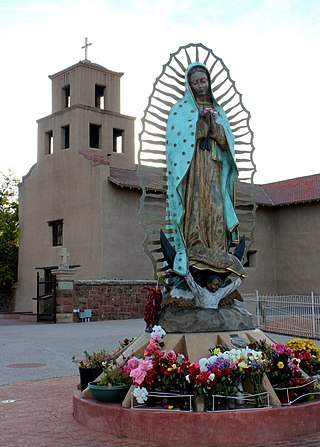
[(9, 230)]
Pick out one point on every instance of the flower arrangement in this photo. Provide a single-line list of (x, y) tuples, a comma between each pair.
[(283, 365), (164, 369), (308, 353), (170, 371), (217, 374), (225, 372)]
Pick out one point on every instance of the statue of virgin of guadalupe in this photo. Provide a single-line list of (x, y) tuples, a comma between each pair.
[(201, 171)]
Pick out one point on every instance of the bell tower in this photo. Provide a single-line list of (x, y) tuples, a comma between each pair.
[(86, 117)]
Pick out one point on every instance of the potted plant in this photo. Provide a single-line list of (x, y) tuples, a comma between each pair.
[(113, 384), (91, 366)]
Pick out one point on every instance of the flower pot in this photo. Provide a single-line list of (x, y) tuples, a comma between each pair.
[(88, 375), (108, 393)]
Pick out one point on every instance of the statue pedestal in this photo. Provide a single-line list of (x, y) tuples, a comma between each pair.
[(244, 427), (174, 319)]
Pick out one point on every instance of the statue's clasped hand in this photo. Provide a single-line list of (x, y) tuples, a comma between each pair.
[(208, 111)]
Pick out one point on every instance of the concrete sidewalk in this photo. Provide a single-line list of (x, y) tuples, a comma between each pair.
[(50, 347)]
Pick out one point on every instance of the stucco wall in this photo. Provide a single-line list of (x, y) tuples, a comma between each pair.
[(297, 254), (122, 235), (287, 259), (261, 274)]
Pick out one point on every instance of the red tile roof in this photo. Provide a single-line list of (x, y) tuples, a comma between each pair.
[(126, 178), (285, 192), (296, 190)]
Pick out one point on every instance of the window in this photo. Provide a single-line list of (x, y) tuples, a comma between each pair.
[(57, 232), (251, 258), (94, 136), (66, 96), (65, 137), (49, 142), (99, 96), (118, 141)]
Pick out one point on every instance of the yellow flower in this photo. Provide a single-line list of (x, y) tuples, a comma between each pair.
[(216, 351), (242, 365), (280, 365), (170, 407), (170, 369), (174, 366), (303, 344)]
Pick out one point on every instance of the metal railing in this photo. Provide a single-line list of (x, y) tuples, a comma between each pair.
[(297, 315)]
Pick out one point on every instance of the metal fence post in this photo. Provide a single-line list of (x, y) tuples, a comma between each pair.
[(313, 316), (257, 309)]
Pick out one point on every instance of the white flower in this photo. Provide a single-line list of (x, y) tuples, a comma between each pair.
[(157, 330), (203, 364), (188, 378), (141, 394), (212, 376)]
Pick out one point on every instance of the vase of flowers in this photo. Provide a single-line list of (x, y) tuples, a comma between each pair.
[(113, 384), (161, 372), (214, 375)]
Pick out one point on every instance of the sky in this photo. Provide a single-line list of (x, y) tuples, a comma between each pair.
[(271, 47)]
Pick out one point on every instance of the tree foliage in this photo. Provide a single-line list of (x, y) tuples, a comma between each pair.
[(9, 229)]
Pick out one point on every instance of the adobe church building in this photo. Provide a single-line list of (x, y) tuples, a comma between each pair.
[(83, 194), (67, 200)]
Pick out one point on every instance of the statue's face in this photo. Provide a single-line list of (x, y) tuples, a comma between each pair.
[(199, 85)]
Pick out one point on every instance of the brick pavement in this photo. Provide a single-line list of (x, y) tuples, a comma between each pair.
[(42, 417)]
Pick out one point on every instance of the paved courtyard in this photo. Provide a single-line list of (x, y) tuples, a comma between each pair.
[(37, 379)]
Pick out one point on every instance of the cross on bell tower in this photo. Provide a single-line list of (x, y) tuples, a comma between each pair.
[(85, 47)]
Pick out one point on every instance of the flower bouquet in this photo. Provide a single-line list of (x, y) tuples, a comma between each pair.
[(308, 353), (159, 375), (217, 374), (285, 373)]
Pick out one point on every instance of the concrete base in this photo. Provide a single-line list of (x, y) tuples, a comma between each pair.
[(218, 429)]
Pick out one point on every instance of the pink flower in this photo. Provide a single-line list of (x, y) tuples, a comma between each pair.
[(131, 364), (138, 375), (146, 365), (170, 355), (151, 348), (156, 338)]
